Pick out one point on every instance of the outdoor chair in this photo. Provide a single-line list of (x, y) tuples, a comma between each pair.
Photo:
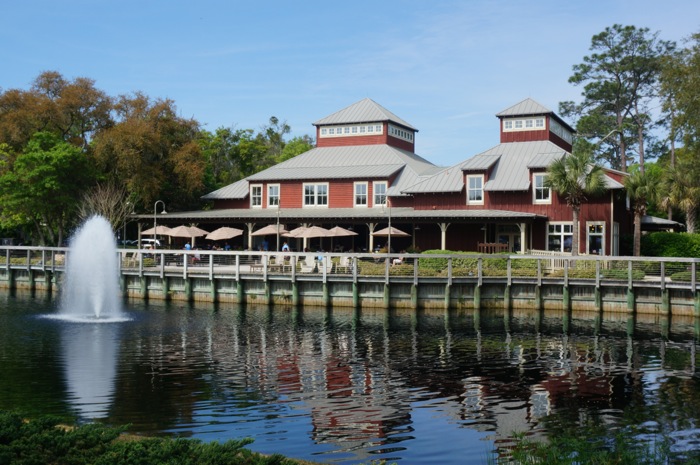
[(306, 266)]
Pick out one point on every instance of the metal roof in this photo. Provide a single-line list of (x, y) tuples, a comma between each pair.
[(351, 162), (345, 215), (237, 190), (510, 162), (364, 111), (526, 107)]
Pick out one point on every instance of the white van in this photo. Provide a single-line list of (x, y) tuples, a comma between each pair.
[(148, 243)]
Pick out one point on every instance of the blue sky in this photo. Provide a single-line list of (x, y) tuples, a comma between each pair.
[(447, 67)]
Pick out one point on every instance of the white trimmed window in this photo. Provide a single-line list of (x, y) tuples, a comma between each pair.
[(273, 195), (379, 188), (360, 194), (541, 194), (560, 236), (595, 231), (475, 189), (316, 195), (256, 197)]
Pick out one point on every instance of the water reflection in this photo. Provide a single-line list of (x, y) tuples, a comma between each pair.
[(349, 386), (90, 353)]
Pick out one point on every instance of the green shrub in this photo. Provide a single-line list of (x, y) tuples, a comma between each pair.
[(43, 440), (665, 244), (683, 276)]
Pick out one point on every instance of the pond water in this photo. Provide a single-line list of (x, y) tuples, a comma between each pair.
[(339, 386)]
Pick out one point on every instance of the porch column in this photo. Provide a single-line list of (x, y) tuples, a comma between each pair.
[(372, 227), (250, 227), (443, 235), (523, 230)]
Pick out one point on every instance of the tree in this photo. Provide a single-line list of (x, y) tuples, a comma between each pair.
[(576, 177), (619, 79), (681, 189), (152, 152), (109, 200), (296, 146), (75, 110), (643, 188), (41, 187)]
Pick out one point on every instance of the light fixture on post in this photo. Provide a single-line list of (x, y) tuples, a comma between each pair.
[(278, 225), (155, 225), (387, 202)]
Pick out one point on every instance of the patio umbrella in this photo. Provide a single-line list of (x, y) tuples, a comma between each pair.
[(315, 231), (269, 230), (337, 231), (186, 231), (294, 232), (159, 230), (224, 233), (394, 232)]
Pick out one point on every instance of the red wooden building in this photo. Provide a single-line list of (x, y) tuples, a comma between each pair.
[(364, 174)]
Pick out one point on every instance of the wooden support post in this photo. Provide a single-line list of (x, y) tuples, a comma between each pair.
[(477, 296), (295, 294), (665, 302), (630, 299), (538, 297), (188, 289), (267, 294), (212, 289), (143, 287), (239, 292), (326, 294), (414, 296), (697, 304), (598, 299), (447, 296), (355, 295), (166, 288), (31, 275), (566, 299), (507, 298), (387, 296)]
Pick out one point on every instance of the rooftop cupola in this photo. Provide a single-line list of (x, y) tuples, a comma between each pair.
[(365, 123), (529, 121)]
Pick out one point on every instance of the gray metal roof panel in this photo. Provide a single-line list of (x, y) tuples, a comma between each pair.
[(526, 107), (332, 214), (447, 180), (327, 172), (364, 111), (512, 172), (237, 190)]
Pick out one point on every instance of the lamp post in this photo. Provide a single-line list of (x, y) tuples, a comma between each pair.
[(388, 241), (278, 226), (155, 228)]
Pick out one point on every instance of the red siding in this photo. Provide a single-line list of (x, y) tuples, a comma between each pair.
[(351, 140)]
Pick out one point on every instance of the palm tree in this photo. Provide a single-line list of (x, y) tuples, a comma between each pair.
[(643, 188), (576, 177), (681, 189)]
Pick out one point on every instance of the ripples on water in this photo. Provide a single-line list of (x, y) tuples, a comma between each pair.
[(349, 387)]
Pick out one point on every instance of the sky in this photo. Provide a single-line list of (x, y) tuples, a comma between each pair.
[(444, 66)]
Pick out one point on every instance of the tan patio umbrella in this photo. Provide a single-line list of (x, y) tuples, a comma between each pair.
[(314, 231), (294, 232), (186, 231), (159, 230), (390, 232), (224, 233), (338, 231), (269, 230)]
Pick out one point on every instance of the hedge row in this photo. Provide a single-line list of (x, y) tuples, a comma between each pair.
[(44, 441)]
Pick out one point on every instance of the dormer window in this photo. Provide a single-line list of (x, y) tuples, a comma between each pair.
[(523, 124), (475, 189)]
